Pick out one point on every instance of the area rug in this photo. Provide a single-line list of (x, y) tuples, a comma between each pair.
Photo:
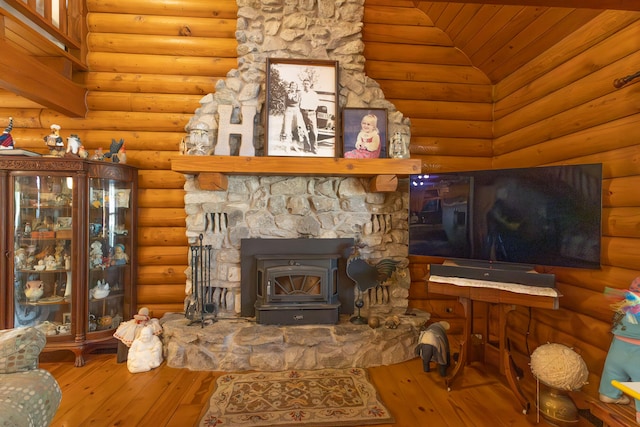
[(333, 397)]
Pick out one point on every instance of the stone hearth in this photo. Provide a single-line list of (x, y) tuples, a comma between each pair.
[(241, 344)]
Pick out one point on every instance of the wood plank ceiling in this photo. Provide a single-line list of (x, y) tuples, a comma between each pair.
[(499, 38)]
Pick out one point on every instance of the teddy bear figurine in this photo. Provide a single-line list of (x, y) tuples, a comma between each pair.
[(622, 359)]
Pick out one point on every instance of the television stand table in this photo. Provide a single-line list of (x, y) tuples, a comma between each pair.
[(468, 291)]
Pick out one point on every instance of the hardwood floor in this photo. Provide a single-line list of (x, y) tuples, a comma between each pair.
[(105, 393)]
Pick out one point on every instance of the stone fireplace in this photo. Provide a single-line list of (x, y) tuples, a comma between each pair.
[(306, 209)]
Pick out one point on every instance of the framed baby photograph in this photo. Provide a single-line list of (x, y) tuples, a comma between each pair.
[(301, 108), (364, 133)]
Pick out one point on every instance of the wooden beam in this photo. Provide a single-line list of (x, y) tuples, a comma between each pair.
[(383, 183), (213, 181), (298, 166), (578, 4), (30, 78)]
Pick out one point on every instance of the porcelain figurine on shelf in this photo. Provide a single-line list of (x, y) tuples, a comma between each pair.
[(98, 154), (83, 153), (55, 142), (50, 263), (73, 145), (20, 258), (6, 140), (96, 255), (101, 290), (67, 288), (119, 255), (60, 253), (34, 289)]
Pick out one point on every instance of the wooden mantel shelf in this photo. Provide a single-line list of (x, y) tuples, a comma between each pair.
[(212, 171)]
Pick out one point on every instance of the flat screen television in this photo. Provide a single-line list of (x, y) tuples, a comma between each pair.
[(548, 216)]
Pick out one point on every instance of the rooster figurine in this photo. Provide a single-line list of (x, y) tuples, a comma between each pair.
[(115, 150), (367, 276)]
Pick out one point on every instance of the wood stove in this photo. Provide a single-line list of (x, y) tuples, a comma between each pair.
[(295, 281), (297, 289)]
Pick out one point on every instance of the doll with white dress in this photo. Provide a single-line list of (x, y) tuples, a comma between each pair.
[(128, 331)]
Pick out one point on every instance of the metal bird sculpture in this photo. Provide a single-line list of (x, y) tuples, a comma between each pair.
[(367, 276), (114, 149)]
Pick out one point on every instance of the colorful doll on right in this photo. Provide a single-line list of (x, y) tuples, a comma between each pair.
[(6, 140), (623, 360)]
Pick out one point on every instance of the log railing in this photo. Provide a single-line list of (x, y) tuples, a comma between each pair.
[(61, 19), (43, 46)]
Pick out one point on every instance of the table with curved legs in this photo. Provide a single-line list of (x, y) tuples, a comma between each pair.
[(507, 301)]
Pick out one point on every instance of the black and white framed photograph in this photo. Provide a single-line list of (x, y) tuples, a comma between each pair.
[(66, 318), (364, 133), (302, 103)]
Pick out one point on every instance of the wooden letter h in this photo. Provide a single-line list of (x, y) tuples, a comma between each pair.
[(244, 129)]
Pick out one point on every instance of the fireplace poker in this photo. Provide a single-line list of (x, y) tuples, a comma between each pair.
[(208, 304), (193, 303)]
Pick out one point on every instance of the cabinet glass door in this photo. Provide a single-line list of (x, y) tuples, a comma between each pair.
[(109, 251), (43, 252)]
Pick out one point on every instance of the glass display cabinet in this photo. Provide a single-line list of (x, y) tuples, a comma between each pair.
[(69, 264)]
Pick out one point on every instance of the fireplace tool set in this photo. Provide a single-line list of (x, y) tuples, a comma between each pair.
[(200, 306)]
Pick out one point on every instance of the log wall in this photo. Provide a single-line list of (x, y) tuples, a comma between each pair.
[(562, 108), (150, 63)]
